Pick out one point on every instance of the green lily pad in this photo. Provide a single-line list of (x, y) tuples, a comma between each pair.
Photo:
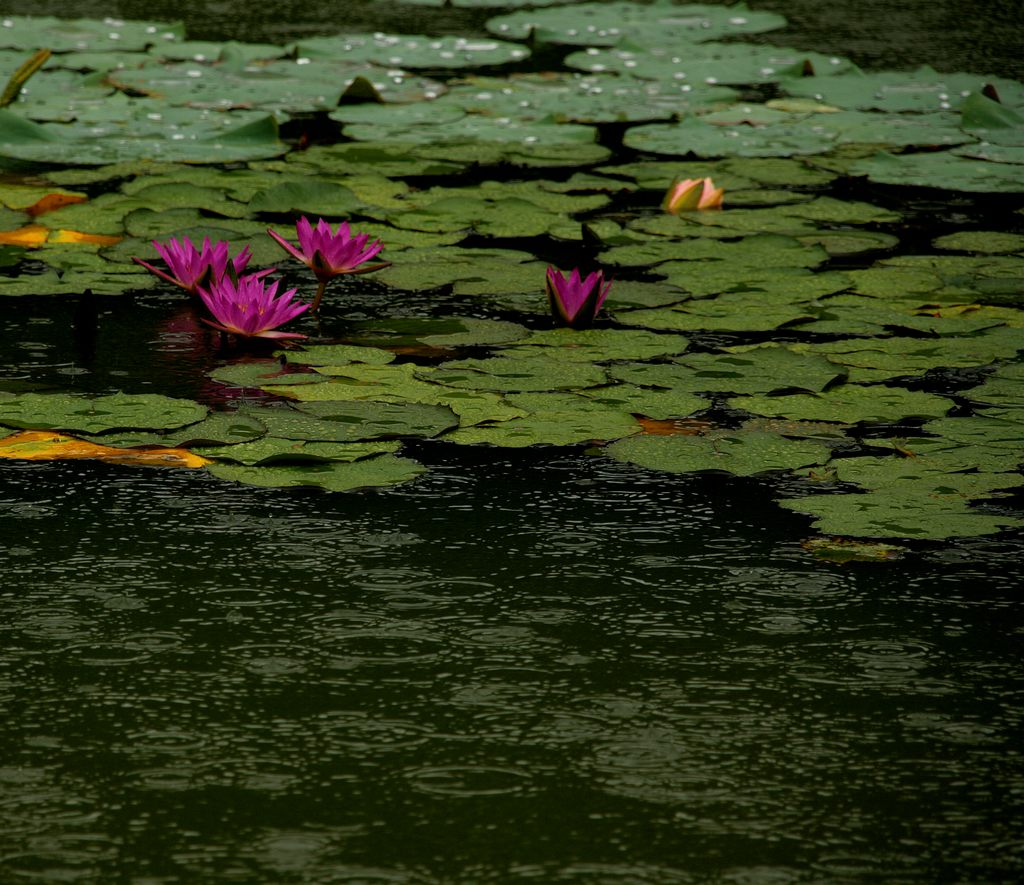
[(575, 98), (436, 332), (508, 372), (917, 91), (411, 51), (691, 135), (559, 419), (781, 285), (660, 405), (399, 384), (127, 133), (893, 357), (85, 35), (898, 515), (652, 56), (598, 345), (1001, 433), (314, 197), (332, 476), (738, 452), (333, 355), (761, 369), (849, 403), (939, 473), (760, 251), (256, 374), (75, 283), (990, 279), (422, 269), (989, 242), (271, 450), (1005, 388), (604, 24), (120, 411), (941, 169), (218, 428), (735, 312), (353, 421)]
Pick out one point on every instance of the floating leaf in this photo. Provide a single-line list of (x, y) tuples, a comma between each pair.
[(940, 170), (900, 515), (848, 550), (598, 345), (274, 450), (61, 411), (34, 445), (559, 419), (411, 51), (508, 372), (917, 91), (353, 421), (332, 476), (737, 452), (694, 136), (331, 355), (990, 242), (86, 35), (258, 374), (595, 24), (398, 383), (656, 404), (848, 403)]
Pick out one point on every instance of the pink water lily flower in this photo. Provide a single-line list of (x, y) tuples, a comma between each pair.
[(329, 254), (249, 307), (575, 301), (692, 193), (191, 268)]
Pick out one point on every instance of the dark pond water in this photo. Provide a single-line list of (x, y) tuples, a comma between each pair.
[(527, 666)]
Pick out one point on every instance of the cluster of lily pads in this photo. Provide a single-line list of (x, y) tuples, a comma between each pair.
[(794, 334)]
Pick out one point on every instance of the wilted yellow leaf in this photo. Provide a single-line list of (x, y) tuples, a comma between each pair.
[(76, 236), (31, 236), (45, 445)]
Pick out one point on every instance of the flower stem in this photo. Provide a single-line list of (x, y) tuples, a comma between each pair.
[(319, 295)]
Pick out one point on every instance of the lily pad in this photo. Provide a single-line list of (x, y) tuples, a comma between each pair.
[(204, 138), (917, 91), (508, 372), (989, 242), (399, 384), (849, 403), (332, 355), (257, 374), (559, 419), (599, 345), (693, 136), (332, 476), (272, 450), (941, 169), (121, 411), (595, 24), (353, 421), (737, 452), (86, 35), (411, 51), (899, 515)]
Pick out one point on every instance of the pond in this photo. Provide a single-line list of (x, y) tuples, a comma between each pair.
[(587, 606)]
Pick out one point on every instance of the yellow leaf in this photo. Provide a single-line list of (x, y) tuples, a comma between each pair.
[(31, 236), (45, 445), (76, 236)]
